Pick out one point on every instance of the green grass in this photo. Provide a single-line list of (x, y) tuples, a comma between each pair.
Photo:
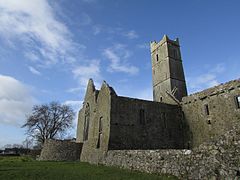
[(26, 168)]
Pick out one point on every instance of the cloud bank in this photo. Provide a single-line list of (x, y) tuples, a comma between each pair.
[(118, 55), (15, 101), (34, 24)]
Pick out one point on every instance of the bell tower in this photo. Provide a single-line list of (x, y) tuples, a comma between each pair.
[(167, 71)]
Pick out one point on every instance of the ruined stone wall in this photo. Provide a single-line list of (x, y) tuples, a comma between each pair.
[(141, 124), (60, 150), (99, 104), (220, 102), (214, 160)]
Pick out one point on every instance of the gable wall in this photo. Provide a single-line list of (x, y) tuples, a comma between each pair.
[(99, 108)]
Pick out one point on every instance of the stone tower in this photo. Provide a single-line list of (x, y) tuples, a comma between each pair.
[(169, 84)]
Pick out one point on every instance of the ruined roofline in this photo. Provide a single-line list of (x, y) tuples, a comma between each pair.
[(218, 89), (154, 44), (110, 88), (112, 91), (104, 84), (144, 100)]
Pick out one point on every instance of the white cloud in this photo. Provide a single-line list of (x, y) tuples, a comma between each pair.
[(131, 34), (34, 24), (146, 94), (118, 56), (15, 101), (96, 30), (205, 80), (33, 70), (74, 90), (84, 19), (219, 68), (84, 72), (76, 105), (31, 56), (143, 46)]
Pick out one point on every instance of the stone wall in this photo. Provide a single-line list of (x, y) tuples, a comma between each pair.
[(141, 124), (60, 150), (214, 160), (94, 121), (220, 102)]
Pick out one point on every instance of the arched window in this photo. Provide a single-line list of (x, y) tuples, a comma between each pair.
[(86, 122), (100, 126)]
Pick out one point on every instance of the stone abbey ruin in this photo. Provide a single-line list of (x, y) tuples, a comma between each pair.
[(195, 136)]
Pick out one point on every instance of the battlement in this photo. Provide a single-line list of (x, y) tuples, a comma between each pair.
[(154, 44)]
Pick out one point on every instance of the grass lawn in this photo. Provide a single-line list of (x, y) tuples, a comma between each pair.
[(26, 168)]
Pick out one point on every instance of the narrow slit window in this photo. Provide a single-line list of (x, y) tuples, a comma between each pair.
[(142, 116), (237, 101), (99, 132), (175, 53), (157, 57), (206, 108), (86, 123), (164, 117)]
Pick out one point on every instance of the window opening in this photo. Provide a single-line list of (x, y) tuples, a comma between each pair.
[(237, 100), (99, 132), (164, 117), (86, 122), (206, 108), (175, 53), (142, 116)]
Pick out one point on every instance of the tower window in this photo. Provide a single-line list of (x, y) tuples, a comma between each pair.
[(237, 101), (157, 57), (206, 109), (142, 116), (175, 53)]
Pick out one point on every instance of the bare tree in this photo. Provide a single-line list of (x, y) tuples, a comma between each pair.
[(49, 121), (7, 146), (28, 143)]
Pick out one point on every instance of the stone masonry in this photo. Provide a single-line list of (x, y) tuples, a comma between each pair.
[(191, 137), (172, 121), (60, 150), (219, 159), (167, 71), (212, 112)]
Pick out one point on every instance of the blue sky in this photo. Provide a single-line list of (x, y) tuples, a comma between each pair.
[(49, 49)]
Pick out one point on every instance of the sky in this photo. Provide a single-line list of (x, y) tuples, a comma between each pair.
[(50, 48)]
